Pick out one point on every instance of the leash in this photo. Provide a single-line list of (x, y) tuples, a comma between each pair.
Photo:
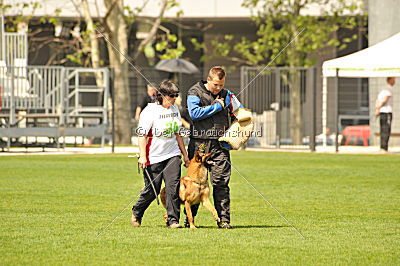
[(272, 206), (147, 175)]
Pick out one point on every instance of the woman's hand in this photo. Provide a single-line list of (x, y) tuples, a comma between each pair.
[(187, 161), (142, 161)]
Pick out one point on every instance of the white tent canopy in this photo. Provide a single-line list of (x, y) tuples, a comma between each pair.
[(379, 60)]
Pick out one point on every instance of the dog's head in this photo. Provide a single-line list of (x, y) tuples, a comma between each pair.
[(201, 157)]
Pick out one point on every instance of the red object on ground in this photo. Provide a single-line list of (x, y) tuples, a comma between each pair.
[(358, 132)]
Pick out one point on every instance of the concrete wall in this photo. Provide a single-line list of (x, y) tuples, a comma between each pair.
[(383, 22)]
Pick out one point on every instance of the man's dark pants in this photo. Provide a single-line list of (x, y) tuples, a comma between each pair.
[(220, 174), (385, 121), (170, 171)]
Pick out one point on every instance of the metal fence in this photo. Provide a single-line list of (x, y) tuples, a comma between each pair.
[(53, 101), (16, 49), (38, 88), (2, 40), (283, 101)]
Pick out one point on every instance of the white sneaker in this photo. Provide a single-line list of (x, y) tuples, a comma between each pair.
[(136, 222), (175, 225)]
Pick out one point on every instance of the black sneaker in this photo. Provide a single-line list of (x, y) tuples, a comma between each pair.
[(224, 225)]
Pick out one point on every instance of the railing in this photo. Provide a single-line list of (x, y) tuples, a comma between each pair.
[(16, 49), (32, 88), (283, 102)]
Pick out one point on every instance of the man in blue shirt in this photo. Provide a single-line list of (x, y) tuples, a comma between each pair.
[(211, 109)]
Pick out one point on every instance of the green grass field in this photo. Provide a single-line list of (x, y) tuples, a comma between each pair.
[(347, 206)]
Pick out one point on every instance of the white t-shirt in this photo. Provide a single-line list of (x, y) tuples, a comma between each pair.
[(387, 108), (160, 124)]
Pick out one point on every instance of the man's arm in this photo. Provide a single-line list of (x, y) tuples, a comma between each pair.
[(379, 104), (197, 112)]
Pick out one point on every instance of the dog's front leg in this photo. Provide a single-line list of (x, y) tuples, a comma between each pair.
[(189, 215)]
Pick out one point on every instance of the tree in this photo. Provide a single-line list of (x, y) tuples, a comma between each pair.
[(83, 48), (116, 27), (280, 22)]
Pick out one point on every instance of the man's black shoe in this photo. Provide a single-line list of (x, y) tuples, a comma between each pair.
[(224, 225)]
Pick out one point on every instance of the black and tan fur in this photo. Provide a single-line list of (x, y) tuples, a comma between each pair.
[(194, 188)]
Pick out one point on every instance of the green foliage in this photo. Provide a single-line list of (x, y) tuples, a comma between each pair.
[(170, 47), (23, 8), (281, 22), (200, 46), (53, 207), (130, 15), (75, 58)]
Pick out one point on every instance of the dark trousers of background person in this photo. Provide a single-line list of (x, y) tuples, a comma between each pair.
[(385, 121), (220, 174), (170, 171)]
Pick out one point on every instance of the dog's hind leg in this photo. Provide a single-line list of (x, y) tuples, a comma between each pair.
[(164, 202), (205, 199), (207, 204), (189, 215)]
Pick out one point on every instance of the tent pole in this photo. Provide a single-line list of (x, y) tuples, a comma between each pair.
[(324, 109), (337, 110)]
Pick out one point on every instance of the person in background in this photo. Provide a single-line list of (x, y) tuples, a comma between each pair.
[(383, 109), (149, 98)]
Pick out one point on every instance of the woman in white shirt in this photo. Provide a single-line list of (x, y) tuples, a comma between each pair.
[(161, 147)]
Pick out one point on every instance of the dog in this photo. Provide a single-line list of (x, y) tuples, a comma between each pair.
[(194, 188)]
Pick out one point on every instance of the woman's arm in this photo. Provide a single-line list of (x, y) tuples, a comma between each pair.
[(183, 150), (137, 114), (142, 148)]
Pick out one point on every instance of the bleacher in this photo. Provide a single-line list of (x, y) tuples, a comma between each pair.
[(48, 101)]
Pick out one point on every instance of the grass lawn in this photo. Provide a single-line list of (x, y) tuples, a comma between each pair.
[(347, 207)]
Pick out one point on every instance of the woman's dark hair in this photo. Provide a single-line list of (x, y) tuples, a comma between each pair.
[(166, 88)]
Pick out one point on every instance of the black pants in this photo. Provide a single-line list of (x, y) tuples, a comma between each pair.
[(170, 171), (385, 121), (220, 174)]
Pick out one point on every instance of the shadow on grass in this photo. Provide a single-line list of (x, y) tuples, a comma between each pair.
[(244, 226), (258, 226), (238, 226)]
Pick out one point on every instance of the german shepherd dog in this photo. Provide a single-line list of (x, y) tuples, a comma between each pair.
[(194, 188)]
